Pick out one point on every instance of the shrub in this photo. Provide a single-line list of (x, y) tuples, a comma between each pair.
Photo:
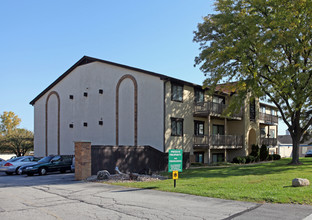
[(276, 157), (255, 150), (270, 157), (197, 164), (239, 160), (264, 153), (250, 159)]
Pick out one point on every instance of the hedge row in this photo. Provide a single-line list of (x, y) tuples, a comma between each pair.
[(258, 154)]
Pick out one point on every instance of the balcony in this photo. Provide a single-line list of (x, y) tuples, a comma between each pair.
[(218, 141), (269, 141), (211, 108), (268, 119)]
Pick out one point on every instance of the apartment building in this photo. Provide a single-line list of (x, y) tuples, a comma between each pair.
[(108, 103)]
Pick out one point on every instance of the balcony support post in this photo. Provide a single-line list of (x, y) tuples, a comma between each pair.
[(225, 155), (209, 155)]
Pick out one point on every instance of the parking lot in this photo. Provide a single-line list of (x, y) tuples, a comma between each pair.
[(24, 180), (60, 196)]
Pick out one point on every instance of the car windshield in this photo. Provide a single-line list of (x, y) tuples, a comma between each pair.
[(46, 159)]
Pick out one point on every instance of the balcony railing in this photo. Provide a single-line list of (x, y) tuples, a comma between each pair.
[(218, 141), (267, 118), (269, 141), (206, 108)]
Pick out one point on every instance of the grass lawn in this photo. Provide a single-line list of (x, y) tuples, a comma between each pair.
[(266, 182)]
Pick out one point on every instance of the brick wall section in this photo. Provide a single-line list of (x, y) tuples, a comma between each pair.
[(131, 159), (82, 160)]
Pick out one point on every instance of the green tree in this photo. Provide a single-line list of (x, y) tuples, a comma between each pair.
[(9, 122), (266, 47), (18, 141)]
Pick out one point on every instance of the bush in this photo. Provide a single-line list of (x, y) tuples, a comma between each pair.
[(255, 150), (239, 160), (270, 157), (235, 160), (250, 159), (276, 157), (197, 164), (264, 153)]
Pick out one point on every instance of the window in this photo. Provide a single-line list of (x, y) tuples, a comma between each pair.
[(218, 99), (176, 127), (218, 103), (199, 127), (272, 133), (273, 112), (252, 110), (199, 96), (177, 93), (71, 97), (85, 94), (101, 91), (262, 109), (218, 129), (56, 159), (71, 125), (217, 158), (85, 124), (262, 133), (199, 157), (101, 122)]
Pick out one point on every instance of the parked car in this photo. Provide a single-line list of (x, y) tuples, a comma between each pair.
[(22, 169), (11, 166), (308, 153), (60, 163), (2, 161), (72, 167)]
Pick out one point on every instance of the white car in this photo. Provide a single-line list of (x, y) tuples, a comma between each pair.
[(2, 161), (12, 166)]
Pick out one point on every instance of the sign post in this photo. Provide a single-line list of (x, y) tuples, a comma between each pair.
[(175, 164)]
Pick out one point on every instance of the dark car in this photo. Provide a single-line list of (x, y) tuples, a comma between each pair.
[(60, 163), (308, 153), (22, 169)]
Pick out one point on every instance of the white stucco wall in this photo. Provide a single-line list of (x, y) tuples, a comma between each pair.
[(101, 107)]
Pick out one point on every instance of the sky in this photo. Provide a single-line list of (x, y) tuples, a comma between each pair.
[(40, 40)]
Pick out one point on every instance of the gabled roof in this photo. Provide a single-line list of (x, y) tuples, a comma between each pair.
[(268, 105), (284, 139), (86, 59)]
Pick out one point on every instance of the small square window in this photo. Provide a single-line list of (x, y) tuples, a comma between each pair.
[(71, 97), (85, 124), (85, 94), (100, 122), (101, 91), (71, 125)]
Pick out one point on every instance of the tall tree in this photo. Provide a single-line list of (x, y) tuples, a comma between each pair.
[(9, 122), (18, 141), (266, 46)]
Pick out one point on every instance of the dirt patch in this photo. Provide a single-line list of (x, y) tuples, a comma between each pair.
[(128, 178)]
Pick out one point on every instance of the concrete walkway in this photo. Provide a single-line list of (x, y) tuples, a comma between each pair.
[(58, 196)]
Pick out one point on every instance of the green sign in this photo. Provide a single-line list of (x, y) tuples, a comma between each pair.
[(175, 160)]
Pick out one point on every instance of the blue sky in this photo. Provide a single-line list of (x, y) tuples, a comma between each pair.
[(40, 40)]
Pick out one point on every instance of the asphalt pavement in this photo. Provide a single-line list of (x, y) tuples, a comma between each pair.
[(59, 196)]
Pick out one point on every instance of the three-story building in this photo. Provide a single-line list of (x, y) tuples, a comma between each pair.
[(114, 104)]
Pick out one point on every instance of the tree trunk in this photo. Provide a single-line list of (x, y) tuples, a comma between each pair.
[(295, 152)]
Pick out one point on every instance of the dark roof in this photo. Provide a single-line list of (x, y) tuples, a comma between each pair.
[(284, 139), (271, 106), (86, 59)]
